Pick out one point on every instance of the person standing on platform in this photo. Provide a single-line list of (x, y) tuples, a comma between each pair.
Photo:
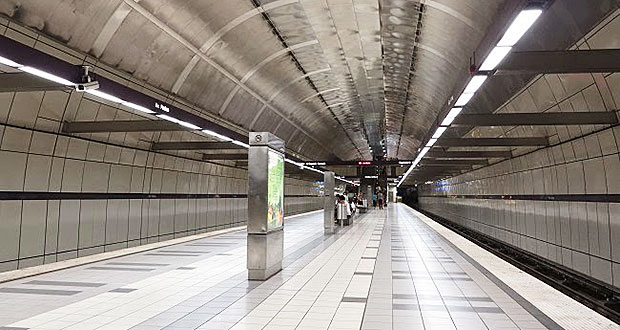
[(374, 200), (380, 199)]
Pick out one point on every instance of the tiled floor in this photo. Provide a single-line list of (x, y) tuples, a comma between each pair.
[(388, 271)]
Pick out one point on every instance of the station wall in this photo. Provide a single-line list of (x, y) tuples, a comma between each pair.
[(66, 196), (561, 202)]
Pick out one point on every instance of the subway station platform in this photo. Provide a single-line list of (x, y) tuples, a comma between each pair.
[(392, 269)]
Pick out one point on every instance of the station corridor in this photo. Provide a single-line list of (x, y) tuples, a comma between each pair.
[(310, 164)]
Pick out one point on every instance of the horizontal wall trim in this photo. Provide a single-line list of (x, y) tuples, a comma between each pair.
[(36, 196), (586, 198)]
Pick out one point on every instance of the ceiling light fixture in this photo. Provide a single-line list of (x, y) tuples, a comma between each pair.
[(463, 100), (136, 107), (451, 116), (439, 132), (7, 62), (180, 122), (495, 58), (46, 75), (241, 144), (474, 84), (454, 112), (217, 135), (519, 26), (431, 142), (104, 96)]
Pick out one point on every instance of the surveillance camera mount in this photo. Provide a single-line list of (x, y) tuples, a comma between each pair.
[(87, 80), (86, 74)]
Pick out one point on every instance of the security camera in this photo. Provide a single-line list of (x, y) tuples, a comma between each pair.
[(82, 87), (88, 82)]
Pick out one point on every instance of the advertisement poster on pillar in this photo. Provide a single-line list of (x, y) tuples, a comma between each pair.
[(275, 190)]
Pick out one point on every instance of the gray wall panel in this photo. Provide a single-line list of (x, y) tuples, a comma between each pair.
[(51, 228), (10, 218), (86, 224), (32, 233), (166, 220), (134, 219), (68, 225)]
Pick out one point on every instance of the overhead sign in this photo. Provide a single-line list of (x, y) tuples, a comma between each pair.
[(359, 163)]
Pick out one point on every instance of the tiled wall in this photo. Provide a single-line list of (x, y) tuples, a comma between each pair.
[(46, 227), (580, 229)]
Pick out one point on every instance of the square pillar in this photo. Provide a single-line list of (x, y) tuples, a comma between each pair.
[(330, 201), (265, 205)]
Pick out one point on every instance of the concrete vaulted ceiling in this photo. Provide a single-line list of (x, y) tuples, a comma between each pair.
[(332, 77)]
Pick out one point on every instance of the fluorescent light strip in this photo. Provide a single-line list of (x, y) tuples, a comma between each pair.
[(495, 58), (136, 107), (104, 96), (115, 99), (7, 62), (313, 169), (454, 112), (431, 142), (292, 162), (451, 116), (241, 144), (439, 132), (474, 84), (463, 100), (46, 75), (180, 122), (424, 151), (519, 26), (447, 121), (217, 135), (415, 163), (189, 125), (168, 118), (517, 29)]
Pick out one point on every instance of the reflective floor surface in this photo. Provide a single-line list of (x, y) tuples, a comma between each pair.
[(389, 270)]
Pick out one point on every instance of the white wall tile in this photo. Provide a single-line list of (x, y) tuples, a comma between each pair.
[(32, 232), (38, 173), (13, 168), (10, 213), (595, 176), (25, 109), (16, 139)]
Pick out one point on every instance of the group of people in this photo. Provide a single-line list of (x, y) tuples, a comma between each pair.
[(350, 205), (378, 199)]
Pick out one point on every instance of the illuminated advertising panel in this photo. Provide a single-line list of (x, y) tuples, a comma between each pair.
[(275, 190)]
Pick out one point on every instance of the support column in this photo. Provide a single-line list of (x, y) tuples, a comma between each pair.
[(265, 205), (330, 201)]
